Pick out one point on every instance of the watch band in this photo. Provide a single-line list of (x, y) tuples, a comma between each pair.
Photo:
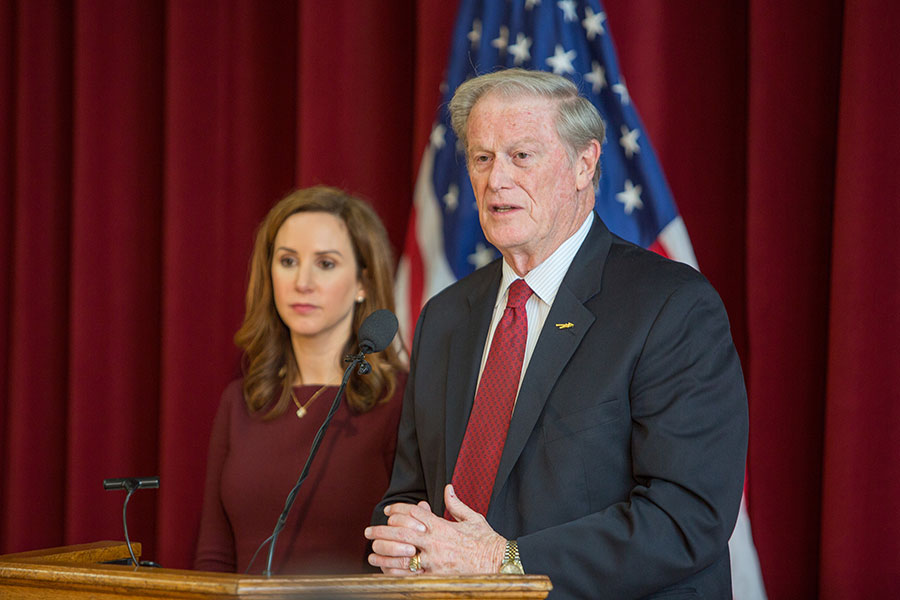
[(511, 561)]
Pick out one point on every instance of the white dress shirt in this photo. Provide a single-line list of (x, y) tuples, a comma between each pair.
[(544, 280)]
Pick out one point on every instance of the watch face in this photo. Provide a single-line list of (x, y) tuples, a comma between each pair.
[(512, 568)]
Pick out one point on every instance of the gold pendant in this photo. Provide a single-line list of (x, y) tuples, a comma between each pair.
[(301, 412)]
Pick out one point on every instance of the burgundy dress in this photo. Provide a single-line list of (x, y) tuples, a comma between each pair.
[(253, 464)]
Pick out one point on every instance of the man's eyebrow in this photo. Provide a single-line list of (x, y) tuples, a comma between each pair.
[(517, 142)]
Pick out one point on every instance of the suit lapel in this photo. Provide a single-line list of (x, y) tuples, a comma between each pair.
[(466, 348), (555, 345)]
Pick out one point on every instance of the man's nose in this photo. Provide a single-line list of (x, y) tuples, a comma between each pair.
[(499, 175)]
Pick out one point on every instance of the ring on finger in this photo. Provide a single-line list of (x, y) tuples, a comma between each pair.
[(415, 563)]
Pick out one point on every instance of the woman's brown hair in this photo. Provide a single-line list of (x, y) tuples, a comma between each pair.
[(269, 363)]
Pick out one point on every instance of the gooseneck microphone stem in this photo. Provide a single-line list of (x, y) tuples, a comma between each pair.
[(354, 360), (131, 484), (375, 334), (134, 560)]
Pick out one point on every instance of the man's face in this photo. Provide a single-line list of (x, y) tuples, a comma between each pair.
[(531, 196)]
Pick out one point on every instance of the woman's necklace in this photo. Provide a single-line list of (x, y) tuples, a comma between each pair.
[(301, 408)]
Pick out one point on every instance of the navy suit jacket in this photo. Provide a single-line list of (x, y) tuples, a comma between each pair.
[(623, 468)]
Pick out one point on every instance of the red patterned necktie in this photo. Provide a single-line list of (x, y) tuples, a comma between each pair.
[(479, 456)]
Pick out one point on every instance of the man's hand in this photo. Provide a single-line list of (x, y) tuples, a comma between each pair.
[(468, 545)]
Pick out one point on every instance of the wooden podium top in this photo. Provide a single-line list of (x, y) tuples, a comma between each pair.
[(76, 572)]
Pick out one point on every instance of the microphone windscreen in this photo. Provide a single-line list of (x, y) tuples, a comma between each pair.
[(377, 331)]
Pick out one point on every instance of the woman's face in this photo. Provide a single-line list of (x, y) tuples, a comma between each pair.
[(315, 277)]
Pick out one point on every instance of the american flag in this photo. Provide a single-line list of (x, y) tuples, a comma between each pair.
[(444, 239)]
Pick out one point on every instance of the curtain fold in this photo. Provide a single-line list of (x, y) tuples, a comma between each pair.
[(115, 265), (7, 123), (793, 92), (860, 527), (35, 426), (356, 62), (141, 143), (229, 155)]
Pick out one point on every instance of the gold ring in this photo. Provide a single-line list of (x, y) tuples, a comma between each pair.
[(415, 563)]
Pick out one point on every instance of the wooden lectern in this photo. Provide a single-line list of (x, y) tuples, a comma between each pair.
[(79, 572)]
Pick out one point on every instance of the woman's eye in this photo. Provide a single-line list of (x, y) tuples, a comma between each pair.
[(287, 261), (326, 264)]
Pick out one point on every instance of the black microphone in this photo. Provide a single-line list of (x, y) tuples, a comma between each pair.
[(375, 333), (130, 483)]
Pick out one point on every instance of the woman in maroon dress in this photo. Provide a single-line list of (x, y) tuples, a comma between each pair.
[(320, 265)]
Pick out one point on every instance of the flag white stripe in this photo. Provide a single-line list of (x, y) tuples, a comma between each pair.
[(677, 244)]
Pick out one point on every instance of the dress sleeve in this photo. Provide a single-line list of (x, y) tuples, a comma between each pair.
[(215, 544)]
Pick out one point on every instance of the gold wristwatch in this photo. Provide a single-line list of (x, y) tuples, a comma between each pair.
[(511, 563)]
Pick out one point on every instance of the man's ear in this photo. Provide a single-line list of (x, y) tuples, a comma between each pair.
[(586, 164)]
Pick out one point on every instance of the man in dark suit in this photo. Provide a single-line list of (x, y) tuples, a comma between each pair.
[(621, 471)]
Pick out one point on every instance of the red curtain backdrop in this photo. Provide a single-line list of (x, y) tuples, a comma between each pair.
[(140, 144)]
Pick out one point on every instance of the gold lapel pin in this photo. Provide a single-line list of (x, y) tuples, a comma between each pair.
[(564, 325)]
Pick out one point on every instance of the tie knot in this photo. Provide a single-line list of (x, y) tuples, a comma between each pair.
[(518, 295)]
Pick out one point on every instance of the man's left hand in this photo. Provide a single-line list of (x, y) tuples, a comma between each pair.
[(468, 545)]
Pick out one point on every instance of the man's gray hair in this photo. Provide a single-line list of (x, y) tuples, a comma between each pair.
[(577, 120)]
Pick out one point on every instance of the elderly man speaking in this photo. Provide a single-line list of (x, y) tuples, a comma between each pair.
[(576, 409)]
